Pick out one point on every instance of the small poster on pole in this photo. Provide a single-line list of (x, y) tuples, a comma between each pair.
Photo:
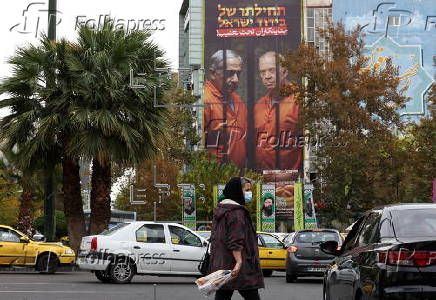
[(266, 206), (309, 208), (189, 207)]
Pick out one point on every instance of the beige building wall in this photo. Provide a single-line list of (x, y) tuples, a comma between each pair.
[(318, 2)]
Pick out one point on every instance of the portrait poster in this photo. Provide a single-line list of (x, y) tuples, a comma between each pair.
[(310, 221), (189, 208), (246, 118), (266, 208)]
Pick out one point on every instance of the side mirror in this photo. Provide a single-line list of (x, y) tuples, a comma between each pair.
[(205, 244), (330, 247), (24, 240)]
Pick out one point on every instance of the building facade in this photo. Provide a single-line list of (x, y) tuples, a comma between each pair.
[(316, 15), (191, 71), (404, 30)]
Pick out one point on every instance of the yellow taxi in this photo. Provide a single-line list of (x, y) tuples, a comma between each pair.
[(272, 253), (16, 249)]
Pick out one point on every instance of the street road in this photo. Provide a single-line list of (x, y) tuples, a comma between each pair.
[(84, 286)]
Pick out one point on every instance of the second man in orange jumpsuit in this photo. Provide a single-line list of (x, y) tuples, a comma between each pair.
[(275, 120)]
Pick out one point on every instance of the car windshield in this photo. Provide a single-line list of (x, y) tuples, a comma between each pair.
[(114, 229), (316, 236), (414, 223)]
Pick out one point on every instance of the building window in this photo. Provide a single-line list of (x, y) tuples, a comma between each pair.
[(317, 18), (310, 21)]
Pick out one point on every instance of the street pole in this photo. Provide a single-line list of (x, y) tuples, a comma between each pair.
[(49, 197), (154, 210), (52, 9)]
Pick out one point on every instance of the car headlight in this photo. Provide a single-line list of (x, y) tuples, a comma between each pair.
[(69, 252)]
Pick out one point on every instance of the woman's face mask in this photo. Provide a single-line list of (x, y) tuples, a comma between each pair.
[(248, 196)]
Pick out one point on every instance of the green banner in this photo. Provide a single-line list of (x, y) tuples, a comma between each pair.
[(267, 208), (189, 207), (309, 208), (215, 195), (298, 207)]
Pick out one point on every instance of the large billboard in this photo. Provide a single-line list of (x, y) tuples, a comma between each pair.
[(246, 119), (403, 30)]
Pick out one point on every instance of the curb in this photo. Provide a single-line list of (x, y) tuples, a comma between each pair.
[(63, 269)]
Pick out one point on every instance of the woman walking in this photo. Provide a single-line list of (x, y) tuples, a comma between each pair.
[(234, 242)]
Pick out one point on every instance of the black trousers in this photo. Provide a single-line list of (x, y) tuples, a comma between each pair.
[(246, 294)]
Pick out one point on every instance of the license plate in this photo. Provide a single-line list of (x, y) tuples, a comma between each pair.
[(315, 269)]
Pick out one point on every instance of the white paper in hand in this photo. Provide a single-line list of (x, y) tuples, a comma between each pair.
[(211, 283)]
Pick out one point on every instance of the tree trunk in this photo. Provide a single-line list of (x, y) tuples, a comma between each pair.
[(25, 214), (100, 196), (73, 204), (49, 204)]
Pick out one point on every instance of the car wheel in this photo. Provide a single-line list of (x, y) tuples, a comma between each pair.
[(47, 263), (267, 273), (291, 278), (122, 271), (103, 276)]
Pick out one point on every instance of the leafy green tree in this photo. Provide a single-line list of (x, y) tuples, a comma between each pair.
[(40, 124), (352, 110), (61, 226), (180, 122), (167, 171), (9, 192), (419, 143), (69, 101), (114, 122), (205, 169), (174, 153)]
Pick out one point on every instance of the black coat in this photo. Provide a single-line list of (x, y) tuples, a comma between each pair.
[(233, 229)]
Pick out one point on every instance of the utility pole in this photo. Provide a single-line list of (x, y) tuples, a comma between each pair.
[(49, 197), (154, 211), (52, 9)]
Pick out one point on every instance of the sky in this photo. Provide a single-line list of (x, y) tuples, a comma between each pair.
[(18, 30)]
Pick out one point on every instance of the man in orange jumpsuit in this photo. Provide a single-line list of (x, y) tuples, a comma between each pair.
[(275, 121), (225, 114)]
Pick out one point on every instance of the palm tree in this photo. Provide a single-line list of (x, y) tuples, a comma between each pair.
[(39, 124), (115, 122), (85, 108)]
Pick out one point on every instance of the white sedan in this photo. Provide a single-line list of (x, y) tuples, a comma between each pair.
[(143, 248)]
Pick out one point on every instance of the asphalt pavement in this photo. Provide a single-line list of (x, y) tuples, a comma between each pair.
[(84, 286)]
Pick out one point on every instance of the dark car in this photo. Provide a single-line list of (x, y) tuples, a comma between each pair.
[(305, 257), (390, 253)]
